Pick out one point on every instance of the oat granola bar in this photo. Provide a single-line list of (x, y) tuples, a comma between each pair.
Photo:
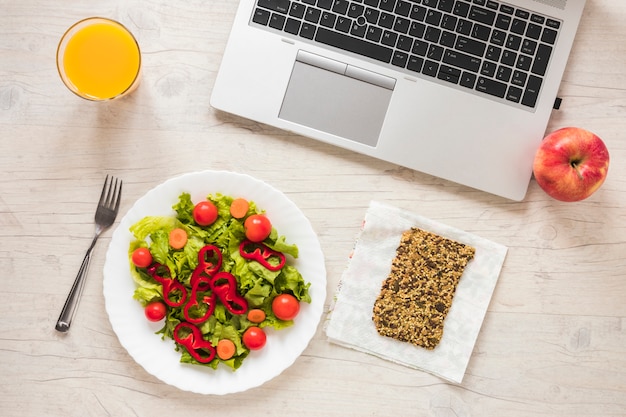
[(417, 294)]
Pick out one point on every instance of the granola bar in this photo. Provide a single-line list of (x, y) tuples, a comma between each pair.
[(417, 294)]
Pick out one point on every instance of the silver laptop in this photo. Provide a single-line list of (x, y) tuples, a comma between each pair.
[(458, 89)]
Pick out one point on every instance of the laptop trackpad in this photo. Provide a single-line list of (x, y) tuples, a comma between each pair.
[(338, 99)]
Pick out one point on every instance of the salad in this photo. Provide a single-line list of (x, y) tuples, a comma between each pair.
[(217, 274)]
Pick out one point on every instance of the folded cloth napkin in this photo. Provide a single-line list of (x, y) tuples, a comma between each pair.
[(350, 324)]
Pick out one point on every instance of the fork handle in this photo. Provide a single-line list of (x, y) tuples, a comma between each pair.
[(65, 318)]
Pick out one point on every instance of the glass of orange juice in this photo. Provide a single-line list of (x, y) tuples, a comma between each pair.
[(99, 59)]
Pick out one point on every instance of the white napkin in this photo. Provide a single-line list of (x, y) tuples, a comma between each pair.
[(350, 324)]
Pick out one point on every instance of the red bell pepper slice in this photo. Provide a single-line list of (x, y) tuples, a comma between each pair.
[(189, 336), (209, 262), (224, 285), (262, 254), (199, 285), (174, 293)]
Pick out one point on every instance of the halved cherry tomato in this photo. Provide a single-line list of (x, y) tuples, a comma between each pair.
[(205, 213), (285, 306), (258, 227), (155, 311), (254, 338), (142, 257)]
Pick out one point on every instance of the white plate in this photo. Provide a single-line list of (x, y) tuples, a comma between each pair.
[(158, 356)]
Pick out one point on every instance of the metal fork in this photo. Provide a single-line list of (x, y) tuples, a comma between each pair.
[(106, 213)]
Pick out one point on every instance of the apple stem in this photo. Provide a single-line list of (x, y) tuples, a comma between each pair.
[(574, 164)]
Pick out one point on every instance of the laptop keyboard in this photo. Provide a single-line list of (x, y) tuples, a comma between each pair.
[(486, 46)]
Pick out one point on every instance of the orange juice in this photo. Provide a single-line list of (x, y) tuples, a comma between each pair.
[(99, 59)]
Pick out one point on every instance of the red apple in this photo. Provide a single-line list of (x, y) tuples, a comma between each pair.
[(571, 164)]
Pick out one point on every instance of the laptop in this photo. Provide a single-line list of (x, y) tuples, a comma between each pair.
[(458, 89)]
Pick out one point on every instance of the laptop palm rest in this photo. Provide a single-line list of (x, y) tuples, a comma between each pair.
[(337, 98)]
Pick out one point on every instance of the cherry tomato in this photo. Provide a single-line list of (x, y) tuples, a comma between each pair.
[(258, 227), (254, 338), (141, 257), (205, 213), (155, 311), (285, 306)]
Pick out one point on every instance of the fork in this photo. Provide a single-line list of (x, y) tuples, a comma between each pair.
[(106, 213)]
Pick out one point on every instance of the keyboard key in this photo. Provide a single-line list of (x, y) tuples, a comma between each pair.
[(401, 25), (418, 13), (504, 74), (324, 4), (449, 22), (533, 31), (531, 94), (493, 53), (386, 20), (297, 10), (540, 64), (312, 15), (461, 60), (417, 29), (518, 26), (523, 14), (514, 42), (339, 6), (415, 63), (554, 24), (405, 43), (464, 27), (343, 24), (529, 46), (374, 33), (461, 9), (261, 16), (514, 94), (468, 80), (355, 10), (371, 15), (491, 87), (537, 19), (445, 76), (430, 68), (281, 6), (435, 53), (488, 69), (433, 17), (358, 30), (420, 47), (549, 36), (470, 46), (506, 9), (484, 16), (399, 59), (389, 38), (447, 39), (328, 19), (503, 21), (307, 30), (355, 45), (519, 78), (432, 34), (498, 37), (292, 26), (481, 32), (523, 62), (508, 58), (403, 8), (387, 5), (446, 5)]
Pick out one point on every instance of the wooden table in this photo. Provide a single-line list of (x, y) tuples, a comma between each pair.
[(553, 342)]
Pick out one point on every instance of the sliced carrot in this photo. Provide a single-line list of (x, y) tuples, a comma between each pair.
[(178, 238), (239, 208), (225, 349), (256, 315)]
